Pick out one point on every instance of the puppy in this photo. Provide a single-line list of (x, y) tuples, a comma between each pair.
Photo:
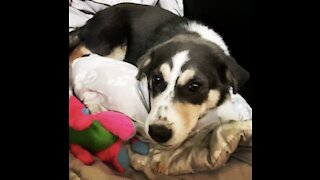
[(187, 64)]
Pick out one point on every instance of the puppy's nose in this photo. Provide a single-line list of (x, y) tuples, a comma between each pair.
[(160, 133)]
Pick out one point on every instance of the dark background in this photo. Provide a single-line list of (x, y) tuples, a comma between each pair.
[(232, 19)]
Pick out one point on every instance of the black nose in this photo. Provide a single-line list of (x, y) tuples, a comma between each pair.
[(160, 133)]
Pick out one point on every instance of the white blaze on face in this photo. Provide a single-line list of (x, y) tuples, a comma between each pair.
[(180, 117), (170, 76), (161, 105)]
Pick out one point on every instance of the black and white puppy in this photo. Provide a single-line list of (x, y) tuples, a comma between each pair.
[(187, 64)]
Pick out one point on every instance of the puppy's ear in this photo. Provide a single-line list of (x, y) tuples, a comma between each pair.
[(236, 75), (143, 65)]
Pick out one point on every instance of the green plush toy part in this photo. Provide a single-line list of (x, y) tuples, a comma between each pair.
[(95, 138), (102, 134)]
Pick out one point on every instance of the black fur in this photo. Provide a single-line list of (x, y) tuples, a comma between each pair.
[(139, 26)]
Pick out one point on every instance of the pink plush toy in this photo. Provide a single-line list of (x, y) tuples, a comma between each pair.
[(102, 134)]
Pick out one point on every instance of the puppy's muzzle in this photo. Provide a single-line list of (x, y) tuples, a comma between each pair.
[(160, 133)]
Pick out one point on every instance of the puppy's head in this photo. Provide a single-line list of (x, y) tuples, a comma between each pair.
[(187, 76)]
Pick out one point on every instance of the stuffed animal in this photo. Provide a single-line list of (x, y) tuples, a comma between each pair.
[(102, 134)]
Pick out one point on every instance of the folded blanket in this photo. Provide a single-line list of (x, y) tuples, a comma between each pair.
[(234, 170), (206, 150)]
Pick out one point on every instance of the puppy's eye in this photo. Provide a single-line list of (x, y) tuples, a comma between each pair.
[(156, 79), (194, 86), (157, 84)]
